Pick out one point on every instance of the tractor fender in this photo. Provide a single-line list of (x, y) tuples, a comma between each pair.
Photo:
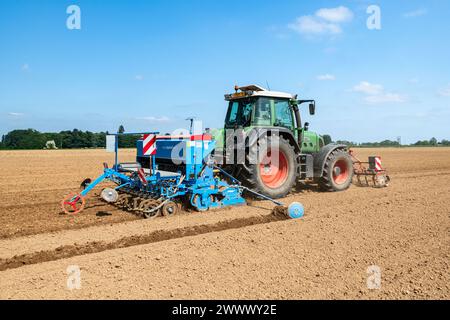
[(322, 155)]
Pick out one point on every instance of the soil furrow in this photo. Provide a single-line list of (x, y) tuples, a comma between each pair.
[(156, 236)]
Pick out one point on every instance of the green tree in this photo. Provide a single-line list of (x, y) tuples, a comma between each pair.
[(24, 139), (32, 139), (121, 129), (423, 143), (385, 143), (433, 141), (128, 141)]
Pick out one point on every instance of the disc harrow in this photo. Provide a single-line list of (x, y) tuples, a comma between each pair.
[(370, 173), (140, 203)]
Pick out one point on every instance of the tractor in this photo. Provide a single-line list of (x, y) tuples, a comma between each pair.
[(265, 145), (263, 149)]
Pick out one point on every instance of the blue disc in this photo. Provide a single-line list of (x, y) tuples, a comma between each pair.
[(296, 210)]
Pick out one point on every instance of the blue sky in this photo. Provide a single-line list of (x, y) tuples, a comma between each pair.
[(150, 64)]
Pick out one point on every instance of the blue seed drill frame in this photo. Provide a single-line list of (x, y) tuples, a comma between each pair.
[(193, 176)]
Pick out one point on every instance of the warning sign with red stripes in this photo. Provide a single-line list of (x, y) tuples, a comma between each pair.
[(149, 145), (141, 176), (378, 166)]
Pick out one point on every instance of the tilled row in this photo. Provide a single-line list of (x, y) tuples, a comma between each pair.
[(134, 240)]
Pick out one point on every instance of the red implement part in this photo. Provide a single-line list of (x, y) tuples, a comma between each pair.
[(73, 204)]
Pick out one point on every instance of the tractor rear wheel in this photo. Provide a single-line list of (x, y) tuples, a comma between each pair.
[(274, 174), (337, 174)]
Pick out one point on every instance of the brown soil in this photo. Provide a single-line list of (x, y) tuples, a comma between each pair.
[(39, 180), (134, 240), (242, 252)]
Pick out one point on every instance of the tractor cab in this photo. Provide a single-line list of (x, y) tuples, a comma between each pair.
[(255, 107)]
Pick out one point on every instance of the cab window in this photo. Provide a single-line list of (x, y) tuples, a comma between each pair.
[(239, 113), (263, 112), (283, 114), (233, 113)]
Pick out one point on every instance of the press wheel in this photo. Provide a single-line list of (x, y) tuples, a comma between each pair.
[(73, 204), (169, 209)]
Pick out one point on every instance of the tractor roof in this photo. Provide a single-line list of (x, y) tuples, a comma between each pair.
[(256, 91)]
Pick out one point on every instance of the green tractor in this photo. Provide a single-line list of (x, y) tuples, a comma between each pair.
[(265, 145)]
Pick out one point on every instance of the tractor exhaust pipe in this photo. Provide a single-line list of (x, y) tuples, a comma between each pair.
[(298, 121)]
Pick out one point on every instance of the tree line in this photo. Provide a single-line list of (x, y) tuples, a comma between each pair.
[(433, 142), (77, 139)]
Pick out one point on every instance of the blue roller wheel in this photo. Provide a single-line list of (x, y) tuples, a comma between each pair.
[(296, 210)]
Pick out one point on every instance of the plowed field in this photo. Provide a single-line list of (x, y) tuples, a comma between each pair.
[(242, 252)]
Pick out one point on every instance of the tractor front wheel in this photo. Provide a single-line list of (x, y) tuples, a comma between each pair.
[(337, 174)]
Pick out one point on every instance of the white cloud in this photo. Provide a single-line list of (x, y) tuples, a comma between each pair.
[(16, 114), (368, 88), (445, 92), (415, 13), (311, 25), (414, 80), (139, 77), (375, 93), (326, 21), (337, 15), (385, 98), (154, 119), (326, 77)]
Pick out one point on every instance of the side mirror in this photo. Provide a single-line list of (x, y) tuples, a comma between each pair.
[(312, 109)]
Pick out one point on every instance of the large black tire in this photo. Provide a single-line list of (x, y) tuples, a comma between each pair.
[(337, 174), (250, 174)]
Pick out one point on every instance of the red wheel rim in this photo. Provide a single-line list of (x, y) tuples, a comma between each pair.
[(340, 172), (73, 204), (274, 172)]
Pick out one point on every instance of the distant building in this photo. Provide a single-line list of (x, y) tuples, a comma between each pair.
[(50, 145)]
